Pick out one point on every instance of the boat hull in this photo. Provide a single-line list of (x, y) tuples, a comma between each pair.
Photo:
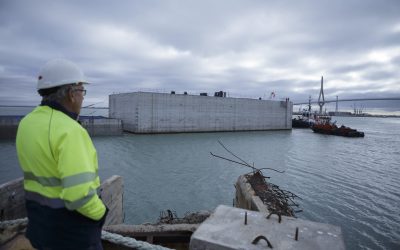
[(298, 123), (341, 131)]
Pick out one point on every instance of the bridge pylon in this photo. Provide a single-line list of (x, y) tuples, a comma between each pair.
[(321, 98)]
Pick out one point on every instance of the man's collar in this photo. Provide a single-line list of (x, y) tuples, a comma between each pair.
[(57, 106)]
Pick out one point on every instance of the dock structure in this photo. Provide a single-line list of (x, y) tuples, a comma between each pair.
[(225, 228), (148, 112), (12, 199), (101, 126), (9, 126), (95, 125), (234, 228)]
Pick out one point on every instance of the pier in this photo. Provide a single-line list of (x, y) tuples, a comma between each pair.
[(95, 125), (225, 228)]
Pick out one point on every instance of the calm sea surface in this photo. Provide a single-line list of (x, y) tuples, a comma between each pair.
[(350, 182)]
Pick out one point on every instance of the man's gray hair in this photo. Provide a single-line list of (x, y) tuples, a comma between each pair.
[(60, 94)]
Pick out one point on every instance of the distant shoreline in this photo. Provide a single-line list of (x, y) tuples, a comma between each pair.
[(34, 106), (369, 115), (358, 115)]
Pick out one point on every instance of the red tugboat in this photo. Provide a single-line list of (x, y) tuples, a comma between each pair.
[(324, 126)]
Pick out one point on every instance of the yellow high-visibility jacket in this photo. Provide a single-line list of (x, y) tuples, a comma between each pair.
[(59, 162)]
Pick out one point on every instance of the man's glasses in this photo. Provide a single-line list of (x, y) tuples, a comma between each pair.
[(81, 90)]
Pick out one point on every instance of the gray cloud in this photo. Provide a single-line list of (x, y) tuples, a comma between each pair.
[(347, 68), (375, 75), (396, 61)]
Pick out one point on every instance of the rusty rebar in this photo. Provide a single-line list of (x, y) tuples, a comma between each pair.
[(258, 238), (277, 200), (237, 157)]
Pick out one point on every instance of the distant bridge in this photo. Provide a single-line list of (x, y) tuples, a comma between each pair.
[(351, 100)]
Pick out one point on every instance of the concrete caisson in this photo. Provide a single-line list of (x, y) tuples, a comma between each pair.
[(146, 112)]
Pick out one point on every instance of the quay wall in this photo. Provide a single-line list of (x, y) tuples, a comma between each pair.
[(96, 126), (102, 126), (9, 126), (145, 112)]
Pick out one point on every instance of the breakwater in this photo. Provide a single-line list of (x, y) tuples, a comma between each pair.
[(95, 125), (147, 112), (99, 126), (9, 126)]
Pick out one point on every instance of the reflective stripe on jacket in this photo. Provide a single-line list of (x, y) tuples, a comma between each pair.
[(59, 162)]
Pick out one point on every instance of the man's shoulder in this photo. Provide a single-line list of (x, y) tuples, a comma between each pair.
[(36, 114), (64, 122)]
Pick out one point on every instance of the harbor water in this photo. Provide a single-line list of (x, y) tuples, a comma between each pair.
[(350, 182)]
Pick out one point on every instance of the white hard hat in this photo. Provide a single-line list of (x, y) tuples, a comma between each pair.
[(59, 72)]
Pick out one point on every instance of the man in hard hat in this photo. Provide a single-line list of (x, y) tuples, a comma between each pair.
[(59, 163)]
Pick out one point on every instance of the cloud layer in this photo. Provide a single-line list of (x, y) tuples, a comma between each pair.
[(246, 48)]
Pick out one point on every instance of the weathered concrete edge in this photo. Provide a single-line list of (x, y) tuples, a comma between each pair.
[(216, 233), (12, 199), (133, 230), (246, 197)]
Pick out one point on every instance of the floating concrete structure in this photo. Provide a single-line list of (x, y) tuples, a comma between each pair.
[(146, 112)]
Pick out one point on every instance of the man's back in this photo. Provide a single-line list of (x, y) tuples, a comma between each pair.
[(59, 163)]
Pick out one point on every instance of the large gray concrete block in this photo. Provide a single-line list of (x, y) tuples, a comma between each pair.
[(143, 112), (225, 229)]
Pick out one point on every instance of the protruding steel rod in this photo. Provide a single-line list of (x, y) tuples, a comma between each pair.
[(230, 160), (237, 157), (245, 164), (258, 238), (279, 216)]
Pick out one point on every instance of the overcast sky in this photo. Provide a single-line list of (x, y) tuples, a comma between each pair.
[(246, 48)]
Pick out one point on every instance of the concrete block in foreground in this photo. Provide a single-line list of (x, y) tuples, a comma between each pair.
[(226, 229)]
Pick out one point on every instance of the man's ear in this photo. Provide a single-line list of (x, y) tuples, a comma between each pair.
[(71, 95)]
